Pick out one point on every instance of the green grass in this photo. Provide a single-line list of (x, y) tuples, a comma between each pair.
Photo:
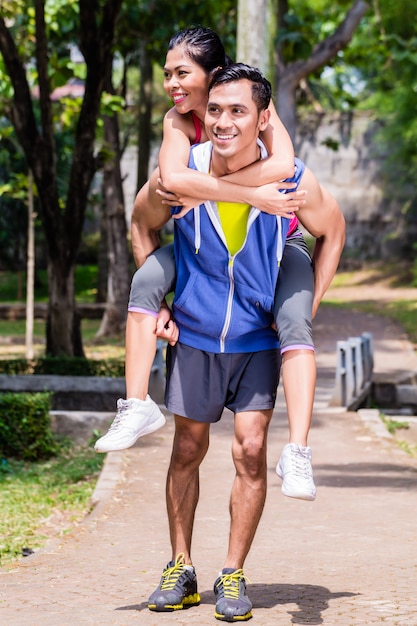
[(393, 425), (17, 328), (408, 448), (43, 499), (12, 283), (14, 345)]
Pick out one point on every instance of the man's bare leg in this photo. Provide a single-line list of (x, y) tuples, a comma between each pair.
[(191, 441), (246, 505), (178, 586), (249, 487)]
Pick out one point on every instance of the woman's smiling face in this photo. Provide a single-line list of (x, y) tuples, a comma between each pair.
[(185, 81)]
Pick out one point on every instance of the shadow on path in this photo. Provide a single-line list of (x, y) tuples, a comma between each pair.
[(356, 475), (312, 600)]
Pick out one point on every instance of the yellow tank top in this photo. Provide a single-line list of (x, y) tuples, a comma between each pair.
[(234, 219)]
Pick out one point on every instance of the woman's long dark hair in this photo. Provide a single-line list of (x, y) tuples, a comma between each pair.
[(203, 46)]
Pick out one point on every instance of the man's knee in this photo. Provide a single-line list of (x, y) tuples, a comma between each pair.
[(189, 447), (249, 454)]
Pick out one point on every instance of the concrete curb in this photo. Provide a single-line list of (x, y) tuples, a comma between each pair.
[(110, 476), (371, 419)]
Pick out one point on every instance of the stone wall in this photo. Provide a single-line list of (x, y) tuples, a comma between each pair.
[(341, 151)]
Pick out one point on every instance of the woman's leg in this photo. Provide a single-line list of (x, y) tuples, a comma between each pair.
[(293, 304), (140, 353), (150, 284), (139, 415)]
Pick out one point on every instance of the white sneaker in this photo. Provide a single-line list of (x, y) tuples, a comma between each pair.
[(134, 418), (294, 467)]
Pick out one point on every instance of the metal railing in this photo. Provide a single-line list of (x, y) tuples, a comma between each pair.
[(354, 370)]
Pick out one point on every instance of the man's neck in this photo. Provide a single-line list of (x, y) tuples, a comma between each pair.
[(221, 166)]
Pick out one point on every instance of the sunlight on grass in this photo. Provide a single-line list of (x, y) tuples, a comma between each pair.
[(12, 340), (44, 499)]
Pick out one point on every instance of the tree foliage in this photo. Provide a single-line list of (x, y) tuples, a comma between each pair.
[(307, 46), (32, 43), (391, 92), (375, 72)]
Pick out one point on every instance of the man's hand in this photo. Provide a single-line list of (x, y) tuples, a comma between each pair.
[(166, 328)]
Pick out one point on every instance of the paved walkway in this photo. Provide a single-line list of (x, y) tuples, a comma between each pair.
[(349, 558)]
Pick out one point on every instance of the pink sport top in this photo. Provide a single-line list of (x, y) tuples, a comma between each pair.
[(198, 125), (293, 225)]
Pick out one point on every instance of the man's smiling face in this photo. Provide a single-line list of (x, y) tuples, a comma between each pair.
[(233, 122)]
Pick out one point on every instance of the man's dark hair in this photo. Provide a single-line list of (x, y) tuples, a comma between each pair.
[(261, 87)]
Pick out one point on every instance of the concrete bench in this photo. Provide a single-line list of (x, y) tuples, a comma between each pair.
[(86, 393)]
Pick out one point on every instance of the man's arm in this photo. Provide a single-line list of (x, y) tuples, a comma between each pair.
[(322, 217)]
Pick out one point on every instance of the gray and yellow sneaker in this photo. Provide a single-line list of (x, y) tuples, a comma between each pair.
[(177, 589), (232, 603)]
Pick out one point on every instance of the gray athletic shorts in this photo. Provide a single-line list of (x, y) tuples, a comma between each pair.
[(200, 384)]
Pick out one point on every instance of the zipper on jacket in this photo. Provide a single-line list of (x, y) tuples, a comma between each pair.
[(229, 303)]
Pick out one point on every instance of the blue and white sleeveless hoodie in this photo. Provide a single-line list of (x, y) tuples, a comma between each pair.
[(224, 303)]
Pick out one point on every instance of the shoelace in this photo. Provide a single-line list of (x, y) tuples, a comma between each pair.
[(171, 574), (300, 464), (118, 420), (230, 583)]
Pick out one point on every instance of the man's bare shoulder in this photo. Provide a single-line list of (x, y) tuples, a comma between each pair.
[(321, 209)]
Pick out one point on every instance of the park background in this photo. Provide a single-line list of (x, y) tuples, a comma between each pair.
[(81, 109)]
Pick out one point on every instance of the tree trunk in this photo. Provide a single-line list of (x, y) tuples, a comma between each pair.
[(63, 228), (103, 257), (288, 76), (30, 280), (63, 326), (252, 33), (118, 275), (145, 115)]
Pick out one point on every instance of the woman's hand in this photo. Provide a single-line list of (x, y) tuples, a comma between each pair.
[(172, 199), (270, 199)]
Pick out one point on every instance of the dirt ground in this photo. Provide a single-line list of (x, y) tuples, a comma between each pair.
[(372, 284)]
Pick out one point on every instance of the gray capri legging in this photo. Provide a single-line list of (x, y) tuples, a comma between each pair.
[(152, 281), (293, 294)]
